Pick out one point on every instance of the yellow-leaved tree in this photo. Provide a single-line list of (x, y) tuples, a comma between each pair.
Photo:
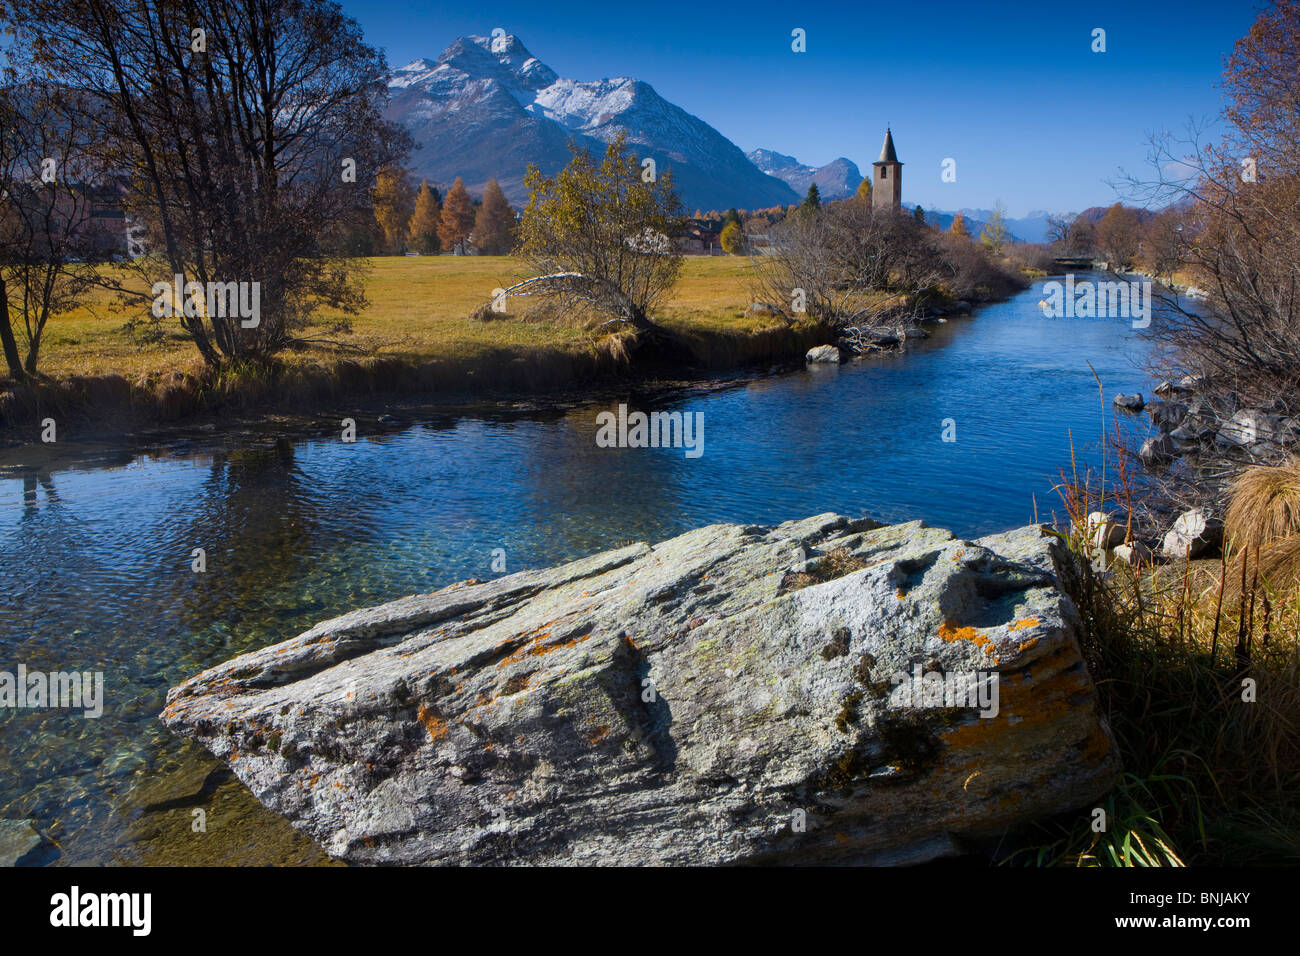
[(394, 201), (600, 235), (423, 232)]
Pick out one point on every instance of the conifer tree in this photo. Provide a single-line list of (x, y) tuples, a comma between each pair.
[(423, 231), (494, 226), (457, 219)]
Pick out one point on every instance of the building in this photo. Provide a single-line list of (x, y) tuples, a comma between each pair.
[(887, 178), (701, 237)]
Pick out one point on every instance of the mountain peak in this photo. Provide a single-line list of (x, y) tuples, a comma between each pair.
[(837, 179), (488, 108), (502, 57), (416, 66)]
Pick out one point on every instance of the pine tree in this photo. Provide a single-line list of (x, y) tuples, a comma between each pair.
[(494, 226), (457, 219), (814, 198), (423, 233), (919, 215)]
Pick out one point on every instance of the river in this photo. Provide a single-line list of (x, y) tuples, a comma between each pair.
[(96, 555)]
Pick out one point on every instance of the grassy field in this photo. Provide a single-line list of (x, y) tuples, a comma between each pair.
[(419, 310)]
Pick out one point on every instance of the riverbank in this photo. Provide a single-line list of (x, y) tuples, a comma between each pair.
[(418, 338)]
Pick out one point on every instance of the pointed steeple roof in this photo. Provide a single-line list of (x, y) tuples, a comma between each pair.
[(887, 154)]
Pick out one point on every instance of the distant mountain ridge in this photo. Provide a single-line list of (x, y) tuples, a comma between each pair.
[(1031, 227), (838, 179), (487, 108)]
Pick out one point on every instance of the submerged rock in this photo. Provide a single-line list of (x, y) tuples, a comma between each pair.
[(735, 694), (21, 844)]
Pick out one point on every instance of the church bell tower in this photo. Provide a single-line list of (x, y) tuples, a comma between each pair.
[(887, 178)]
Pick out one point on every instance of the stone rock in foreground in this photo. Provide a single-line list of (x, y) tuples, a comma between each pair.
[(726, 696)]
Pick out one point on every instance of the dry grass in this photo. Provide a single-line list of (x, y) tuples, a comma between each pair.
[(1197, 666), (834, 564), (420, 310), (424, 331), (1264, 506), (1200, 683)]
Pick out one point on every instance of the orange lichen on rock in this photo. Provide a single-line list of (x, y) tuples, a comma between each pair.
[(1024, 623), (1025, 710), (539, 649), (601, 733), (951, 632), (433, 724)]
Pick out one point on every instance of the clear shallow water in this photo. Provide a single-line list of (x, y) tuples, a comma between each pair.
[(95, 558)]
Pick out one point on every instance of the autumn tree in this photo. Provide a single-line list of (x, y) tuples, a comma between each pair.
[(854, 268), (1119, 234), (864, 189), (958, 227), (494, 224), (423, 232), (1058, 227), (394, 203), (1081, 237), (599, 235), (48, 236), (246, 134), (457, 219), (1165, 241), (994, 235), (732, 238), (1243, 214)]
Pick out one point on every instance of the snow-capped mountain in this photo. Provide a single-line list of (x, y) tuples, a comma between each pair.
[(487, 108), (836, 180)]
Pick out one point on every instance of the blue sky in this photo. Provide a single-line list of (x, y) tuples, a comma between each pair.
[(1010, 90)]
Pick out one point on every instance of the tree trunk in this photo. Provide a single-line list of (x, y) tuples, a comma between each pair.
[(7, 337)]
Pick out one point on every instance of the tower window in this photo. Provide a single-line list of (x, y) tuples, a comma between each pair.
[(884, 172)]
